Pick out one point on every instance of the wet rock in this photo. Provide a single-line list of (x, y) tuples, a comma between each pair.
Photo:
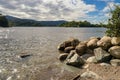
[(71, 54), (92, 43), (76, 60), (115, 51), (63, 56), (63, 45), (71, 42), (115, 41), (91, 60), (105, 42), (24, 55), (101, 55), (68, 49), (81, 48), (90, 75), (115, 62)]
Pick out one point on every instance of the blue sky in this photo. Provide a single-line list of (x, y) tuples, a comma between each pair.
[(94, 11)]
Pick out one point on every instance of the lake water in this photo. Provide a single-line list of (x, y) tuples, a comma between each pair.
[(41, 42)]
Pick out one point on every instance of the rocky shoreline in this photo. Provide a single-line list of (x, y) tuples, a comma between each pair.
[(104, 51)]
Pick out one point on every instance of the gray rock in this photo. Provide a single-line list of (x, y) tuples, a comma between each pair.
[(68, 49), (90, 75), (92, 43), (115, 41), (91, 60), (105, 42), (63, 56), (72, 52), (24, 55), (81, 48), (101, 55), (115, 51), (115, 62), (76, 60)]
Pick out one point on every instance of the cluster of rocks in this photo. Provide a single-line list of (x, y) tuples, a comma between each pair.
[(95, 50)]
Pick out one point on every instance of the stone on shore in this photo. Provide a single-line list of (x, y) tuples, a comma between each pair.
[(115, 51), (63, 56), (115, 41), (81, 48), (76, 60), (101, 55), (92, 43), (90, 75), (71, 54), (91, 59), (105, 42), (115, 62), (68, 49)]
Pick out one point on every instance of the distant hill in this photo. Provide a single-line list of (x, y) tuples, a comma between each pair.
[(29, 22)]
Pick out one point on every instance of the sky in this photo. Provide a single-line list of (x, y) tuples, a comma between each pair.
[(94, 11)]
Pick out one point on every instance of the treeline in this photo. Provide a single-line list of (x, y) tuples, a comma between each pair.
[(81, 24), (3, 21)]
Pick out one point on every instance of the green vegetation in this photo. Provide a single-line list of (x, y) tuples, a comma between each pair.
[(80, 24), (3, 21), (113, 28)]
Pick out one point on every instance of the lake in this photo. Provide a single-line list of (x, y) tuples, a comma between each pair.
[(42, 43)]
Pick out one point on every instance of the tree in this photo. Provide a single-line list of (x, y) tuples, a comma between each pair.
[(113, 28), (3, 21)]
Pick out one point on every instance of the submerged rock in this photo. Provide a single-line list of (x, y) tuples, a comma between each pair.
[(24, 55), (101, 55), (115, 51), (68, 49), (63, 56)]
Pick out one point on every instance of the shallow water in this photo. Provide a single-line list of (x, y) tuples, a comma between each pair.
[(41, 42)]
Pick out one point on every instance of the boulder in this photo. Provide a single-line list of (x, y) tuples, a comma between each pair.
[(115, 51), (105, 64), (101, 55), (74, 42), (105, 42), (89, 51), (71, 42), (68, 49), (81, 48), (72, 52), (115, 41), (92, 43), (63, 56), (63, 45), (91, 59), (75, 60), (115, 62)]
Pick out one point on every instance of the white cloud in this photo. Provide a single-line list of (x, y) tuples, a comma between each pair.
[(47, 9)]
